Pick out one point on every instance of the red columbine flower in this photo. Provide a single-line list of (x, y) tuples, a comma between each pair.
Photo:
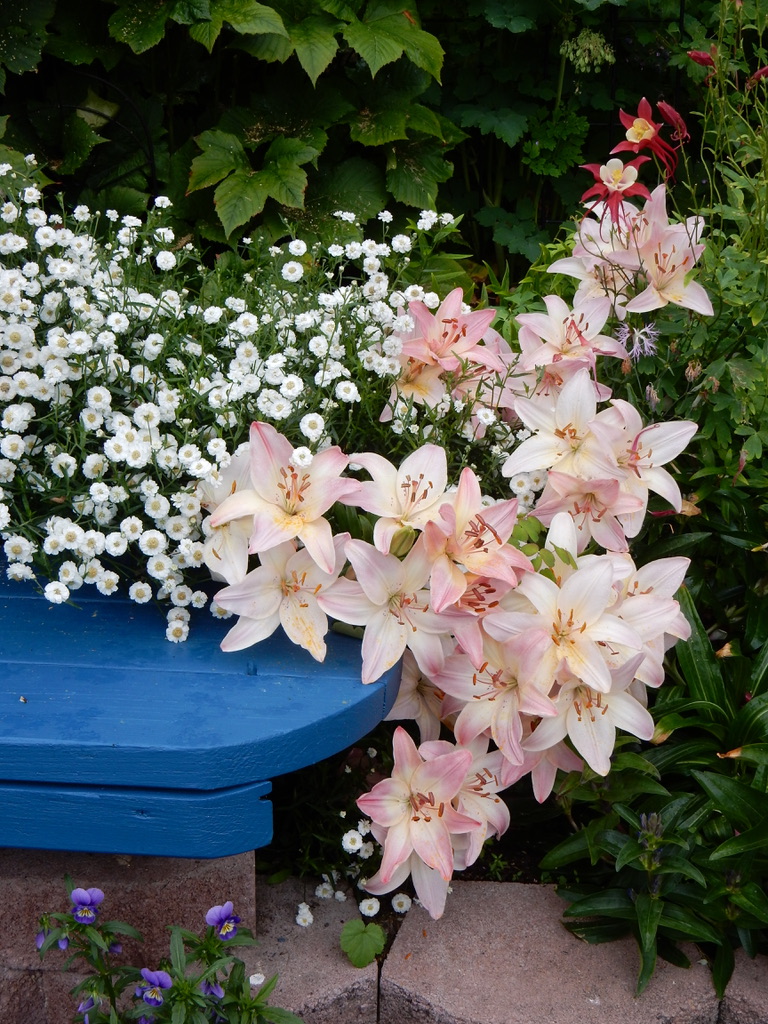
[(615, 181), (643, 132), (706, 60)]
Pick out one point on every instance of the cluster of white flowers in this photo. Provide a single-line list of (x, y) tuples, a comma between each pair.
[(123, 397)]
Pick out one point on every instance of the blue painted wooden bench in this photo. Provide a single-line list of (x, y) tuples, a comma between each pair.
[(113, 740)]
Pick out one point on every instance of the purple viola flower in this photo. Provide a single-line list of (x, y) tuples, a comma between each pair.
[(156, 980), (40, 938), (85, 1006), (223, 920), (85, 904), (212, 988)]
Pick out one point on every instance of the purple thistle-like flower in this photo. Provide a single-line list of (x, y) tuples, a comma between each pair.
[(223, 920), (156, 980), (85, 904), (212, 988), (643, 340)]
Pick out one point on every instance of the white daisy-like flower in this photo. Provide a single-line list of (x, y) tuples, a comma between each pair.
[(140, 592), (304, 916), (369, 907), (351, 841), (401, 902), (292, 271), (56, 592), (324, 891), (256, 980)]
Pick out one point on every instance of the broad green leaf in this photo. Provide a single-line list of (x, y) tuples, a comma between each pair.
[(179, 1014), (759, 680), (23, 33), (754, 753), (286, 151), (631, 850), (752, 898), (573, 848), (221, 154), (698, 662), (596, 932), (414, 172), (285, 183), (675, 864), (505, 123), (354, 184), (649, 911), (752, 839), (178, 959), (681, 919), (314, 40), (186, 12), (722, 968), (743, 806), (362, 942), (420, 47), (79, 139), (140, 25), (207, 32), (376, 48), (277, 1015), (609, 902), (422, 119), (751, 723), (502, 14), (250, 17), (270, 47), (376, 127), (239, 198)]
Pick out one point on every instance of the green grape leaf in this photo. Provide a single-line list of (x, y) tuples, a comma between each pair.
[(362, 942), (239, 198)]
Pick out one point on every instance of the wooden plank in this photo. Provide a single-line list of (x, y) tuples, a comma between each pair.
[(107, 699), (136, 821)]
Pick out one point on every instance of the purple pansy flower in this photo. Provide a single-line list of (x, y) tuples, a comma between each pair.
[(40, 938), (223, 920), (156, 980), (85, 1006), (85, 904), (212, 988)]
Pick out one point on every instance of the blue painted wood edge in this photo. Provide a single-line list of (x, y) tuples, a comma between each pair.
[(136, 821), (107, 699)]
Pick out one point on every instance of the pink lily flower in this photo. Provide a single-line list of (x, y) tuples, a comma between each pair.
[(471, 535), (225, 551), (543, 766), (493, 698), (417, 699), (562, 437), (414, 805), (389, 598), (477, 797), (408, 496), (418, 382), (283, 590), (285, 501), (451, 337), (573, 624), (594, 505), (640, 454), (590, 718), (567, 333)]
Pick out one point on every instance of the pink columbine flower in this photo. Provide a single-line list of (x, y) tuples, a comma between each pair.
[(285, 501), (615, 182)]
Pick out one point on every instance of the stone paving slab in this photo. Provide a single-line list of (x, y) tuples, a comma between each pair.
[(500, 955), (147, 892), (316, 981)]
